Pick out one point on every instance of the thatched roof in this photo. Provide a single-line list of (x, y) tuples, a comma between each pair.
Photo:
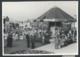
[(57, 14)]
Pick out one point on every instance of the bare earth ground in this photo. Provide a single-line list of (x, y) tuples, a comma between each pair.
[(70, 49)]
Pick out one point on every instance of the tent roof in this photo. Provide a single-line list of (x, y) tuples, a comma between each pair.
[(57, 14)]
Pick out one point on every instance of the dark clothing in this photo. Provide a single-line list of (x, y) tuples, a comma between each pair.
[(70, 39), (28, 40), (35, 37), (47, 38), (9, 41), (32, 42)]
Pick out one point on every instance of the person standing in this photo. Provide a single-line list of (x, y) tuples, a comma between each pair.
[(43, 38), (74, 35), (9, 39), (69, 35), (32, 40), (56, 38), (47, 38), (28, 40)]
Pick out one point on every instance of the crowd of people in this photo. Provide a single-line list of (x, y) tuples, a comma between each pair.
[(31, 37), (64, 38), (34, 36)]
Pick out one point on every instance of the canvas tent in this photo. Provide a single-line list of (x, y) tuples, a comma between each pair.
[(55, 17)]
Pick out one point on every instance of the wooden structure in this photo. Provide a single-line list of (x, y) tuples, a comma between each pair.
[(57, 18)]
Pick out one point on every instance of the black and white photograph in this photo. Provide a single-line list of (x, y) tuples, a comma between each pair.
[(40, 28)]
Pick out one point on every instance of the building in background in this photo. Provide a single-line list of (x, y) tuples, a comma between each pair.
[(57, 18)]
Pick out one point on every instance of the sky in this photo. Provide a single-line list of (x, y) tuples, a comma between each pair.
[(22, 11)]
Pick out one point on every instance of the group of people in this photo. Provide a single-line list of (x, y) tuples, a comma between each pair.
[(31, 37), (64, 38)]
